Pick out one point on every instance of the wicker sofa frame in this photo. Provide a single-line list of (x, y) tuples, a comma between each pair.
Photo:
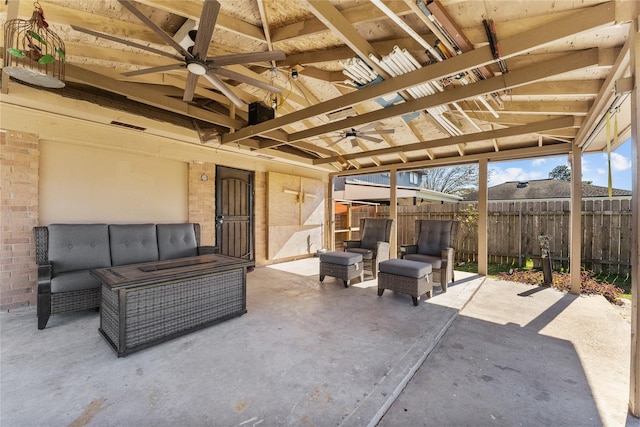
[(49, 302)]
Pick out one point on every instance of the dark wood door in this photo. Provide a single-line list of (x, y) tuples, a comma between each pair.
[(234, 212)]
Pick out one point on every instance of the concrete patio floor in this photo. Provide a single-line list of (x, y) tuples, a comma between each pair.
[(486, 352)]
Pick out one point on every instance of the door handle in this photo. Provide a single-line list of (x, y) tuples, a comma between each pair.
[(219, 219)]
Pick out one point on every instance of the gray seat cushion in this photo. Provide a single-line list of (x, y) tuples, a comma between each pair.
[(435, 261), (366, 253), (406, 268), (340, 258), (73, 281), (133, 243), (176, 241), (75, 247)]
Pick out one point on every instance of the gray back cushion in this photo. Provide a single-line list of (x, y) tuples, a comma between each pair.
[(435, 235), (78, 247), (375, 230), (133, 243), (176, 241)]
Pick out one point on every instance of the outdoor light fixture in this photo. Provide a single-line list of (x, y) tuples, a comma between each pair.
[(34, 54)]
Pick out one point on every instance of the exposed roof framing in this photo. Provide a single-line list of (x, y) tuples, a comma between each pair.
[(565, 68)]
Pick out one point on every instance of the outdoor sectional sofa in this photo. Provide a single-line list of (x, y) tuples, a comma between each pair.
[(65, 253)]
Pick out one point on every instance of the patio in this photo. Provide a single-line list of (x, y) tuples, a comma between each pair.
[(486, 352)]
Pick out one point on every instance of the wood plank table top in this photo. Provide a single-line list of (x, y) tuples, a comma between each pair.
[(155, 271)]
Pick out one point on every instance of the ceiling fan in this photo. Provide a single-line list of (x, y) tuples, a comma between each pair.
[(195, 58), (363, 133)]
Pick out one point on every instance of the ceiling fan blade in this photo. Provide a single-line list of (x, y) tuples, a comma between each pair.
[(219, 84), (335, 142), (190, 87), (171, 42), (245, 79), (370, 138), (127, 42), (204, 35), (370, 125), (244, 58), (153, 70), (377, 132)]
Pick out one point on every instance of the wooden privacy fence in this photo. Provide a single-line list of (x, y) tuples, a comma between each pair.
[(514, 228)]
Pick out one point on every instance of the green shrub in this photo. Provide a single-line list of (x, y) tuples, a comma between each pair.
[(562, 281)]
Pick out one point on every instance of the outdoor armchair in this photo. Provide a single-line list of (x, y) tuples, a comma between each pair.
[(373, 244), (435, 240)]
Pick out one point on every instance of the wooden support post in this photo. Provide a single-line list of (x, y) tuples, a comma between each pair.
[(634, 381), (393, 213), (483, 223), (575, 220), (330, 223)]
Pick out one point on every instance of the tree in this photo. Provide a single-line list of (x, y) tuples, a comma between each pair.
[(458, 180), (561, 173)]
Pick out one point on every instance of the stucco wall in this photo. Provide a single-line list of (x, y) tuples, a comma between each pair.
[(66, 169), (88, 184)]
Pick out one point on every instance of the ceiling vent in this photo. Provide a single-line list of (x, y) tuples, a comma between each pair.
[(127, 125)]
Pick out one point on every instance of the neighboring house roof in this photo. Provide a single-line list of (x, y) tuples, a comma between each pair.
[(544, 189)]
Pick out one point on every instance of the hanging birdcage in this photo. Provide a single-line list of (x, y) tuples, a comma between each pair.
[(34, 54)]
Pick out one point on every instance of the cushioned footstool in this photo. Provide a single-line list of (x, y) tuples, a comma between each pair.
[(341, 265), (407, 277)]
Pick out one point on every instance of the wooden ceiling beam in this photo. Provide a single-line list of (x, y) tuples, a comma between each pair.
[(559, 88), (66, 15), (148, 95), (541, 127), (583, 20), (355, 15), (555, 149), (574, 61), (193, 10), (337, 53), (341, 27)]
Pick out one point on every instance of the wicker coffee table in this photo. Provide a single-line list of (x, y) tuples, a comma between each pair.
[(145, 304)]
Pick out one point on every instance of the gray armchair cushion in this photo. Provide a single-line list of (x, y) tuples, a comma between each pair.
[(133, 243), (176, 241), (434, 237), (78, 247), (375, 230)]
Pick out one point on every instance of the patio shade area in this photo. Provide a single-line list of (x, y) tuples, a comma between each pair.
[(307, 353)]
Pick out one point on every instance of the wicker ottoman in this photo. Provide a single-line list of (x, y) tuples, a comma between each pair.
[(407, 277), (341, 265)]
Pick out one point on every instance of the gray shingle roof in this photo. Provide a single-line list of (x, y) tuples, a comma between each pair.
[(543, 189)]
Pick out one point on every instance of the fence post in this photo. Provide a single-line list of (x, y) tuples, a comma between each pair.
[(546, 259)]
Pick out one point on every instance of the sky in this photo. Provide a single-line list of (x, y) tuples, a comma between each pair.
[(594, 168)]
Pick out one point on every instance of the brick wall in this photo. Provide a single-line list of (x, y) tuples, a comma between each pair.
[(19, 161), (202, 200)]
